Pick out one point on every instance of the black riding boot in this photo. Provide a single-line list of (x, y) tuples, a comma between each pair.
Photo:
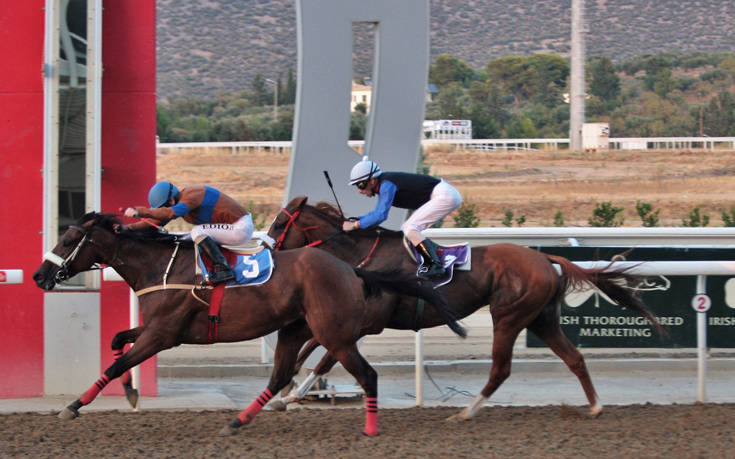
[(432, 263), (221, 271)]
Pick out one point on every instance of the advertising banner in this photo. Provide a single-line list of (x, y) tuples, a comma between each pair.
[(590, 319)]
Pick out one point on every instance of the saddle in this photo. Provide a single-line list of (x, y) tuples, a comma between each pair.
[(459, 256)]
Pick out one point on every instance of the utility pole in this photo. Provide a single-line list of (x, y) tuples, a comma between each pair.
[(576, 89), (275, 98)]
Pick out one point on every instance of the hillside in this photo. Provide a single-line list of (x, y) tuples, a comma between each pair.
[(534, 184), (205, 47)]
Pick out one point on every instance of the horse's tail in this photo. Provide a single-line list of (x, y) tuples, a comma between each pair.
[(406, 284), (616, 283)]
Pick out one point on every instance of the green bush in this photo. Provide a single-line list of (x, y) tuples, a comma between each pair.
[(645, 211), (696, 218), (467, 215), (728, 217), (508, 218), (606, 215), (559, 218)]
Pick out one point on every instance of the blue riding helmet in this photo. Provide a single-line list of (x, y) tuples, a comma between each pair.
[(161, 193)]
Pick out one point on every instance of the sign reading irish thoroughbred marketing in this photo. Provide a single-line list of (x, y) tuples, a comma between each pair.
[(589, 319)]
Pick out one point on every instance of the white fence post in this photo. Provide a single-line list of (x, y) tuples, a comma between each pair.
[(701, 334)]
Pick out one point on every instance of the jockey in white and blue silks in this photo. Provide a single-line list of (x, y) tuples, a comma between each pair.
[(430, 197), (217, 218)]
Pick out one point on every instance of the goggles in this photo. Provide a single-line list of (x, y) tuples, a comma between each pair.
[(361, 185)]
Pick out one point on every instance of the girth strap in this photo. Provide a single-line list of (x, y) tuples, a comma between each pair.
[(418, 314)]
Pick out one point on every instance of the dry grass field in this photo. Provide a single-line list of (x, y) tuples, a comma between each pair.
[(534, 184)]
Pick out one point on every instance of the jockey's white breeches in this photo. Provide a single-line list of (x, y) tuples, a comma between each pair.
[(237, 233), (444, 199)]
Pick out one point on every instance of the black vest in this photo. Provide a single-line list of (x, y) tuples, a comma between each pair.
[(414, 190)]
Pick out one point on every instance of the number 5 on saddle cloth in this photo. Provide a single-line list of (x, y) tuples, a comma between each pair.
[(249, 268)]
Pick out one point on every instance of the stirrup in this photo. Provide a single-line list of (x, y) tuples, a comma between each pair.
[(432, 271), (217, 276)]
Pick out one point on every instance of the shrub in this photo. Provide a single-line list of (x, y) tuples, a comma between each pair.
[(728, 217), (605, 215), (467, 215), (559, 218), (508, 219), (645, 211), (696, 218)]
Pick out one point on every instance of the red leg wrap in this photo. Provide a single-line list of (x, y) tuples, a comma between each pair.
[(249, 413), (92, 392), (371, 416)]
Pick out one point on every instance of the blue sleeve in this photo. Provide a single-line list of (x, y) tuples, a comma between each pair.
[(180, 209), (385, 201)]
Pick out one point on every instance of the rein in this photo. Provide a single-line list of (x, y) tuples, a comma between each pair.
[(292, 222)]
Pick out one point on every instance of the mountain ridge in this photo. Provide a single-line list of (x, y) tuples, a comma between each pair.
[(209, 46)]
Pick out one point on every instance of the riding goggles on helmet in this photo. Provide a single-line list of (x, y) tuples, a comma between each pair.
[(361, 185)]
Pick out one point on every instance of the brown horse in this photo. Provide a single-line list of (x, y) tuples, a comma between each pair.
[(308, 294), (521, 286)]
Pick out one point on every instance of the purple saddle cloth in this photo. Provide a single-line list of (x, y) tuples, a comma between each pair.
[(451, 256)]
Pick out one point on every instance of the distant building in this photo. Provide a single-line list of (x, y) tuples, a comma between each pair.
[(448, 129), (361, 94)]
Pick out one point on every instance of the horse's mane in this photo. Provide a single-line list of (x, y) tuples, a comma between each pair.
[(329, 211), (110, 223)]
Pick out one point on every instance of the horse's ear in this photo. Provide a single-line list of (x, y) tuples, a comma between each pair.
[(297, 203)]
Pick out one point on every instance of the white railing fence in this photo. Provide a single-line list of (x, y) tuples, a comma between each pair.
[(615, 143)]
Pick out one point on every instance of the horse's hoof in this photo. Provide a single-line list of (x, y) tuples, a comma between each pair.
[(277, 405), (132, 396), (227, 431), (370, 433), (68, 414), (595, 411)]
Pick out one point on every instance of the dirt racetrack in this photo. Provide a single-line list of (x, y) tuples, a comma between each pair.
[(671, 431)]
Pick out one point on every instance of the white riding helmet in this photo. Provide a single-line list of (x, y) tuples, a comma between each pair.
[(364, 170)]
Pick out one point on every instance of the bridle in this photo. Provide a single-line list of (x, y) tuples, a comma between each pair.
[(292, 217), (292, 222), (63, 263)]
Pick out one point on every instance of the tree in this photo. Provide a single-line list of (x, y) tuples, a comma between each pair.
[(358, 122), (259, 93), (551, 73), (451, 102), (513, 74), (522, 128), (718, 116), (448, 69), (605, 82), (487, 110), (289, 95)]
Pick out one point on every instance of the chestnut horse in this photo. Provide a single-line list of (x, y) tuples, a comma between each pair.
[(309, 292), (520, 285)]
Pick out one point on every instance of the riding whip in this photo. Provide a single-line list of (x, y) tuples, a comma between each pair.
[(329, 182)]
